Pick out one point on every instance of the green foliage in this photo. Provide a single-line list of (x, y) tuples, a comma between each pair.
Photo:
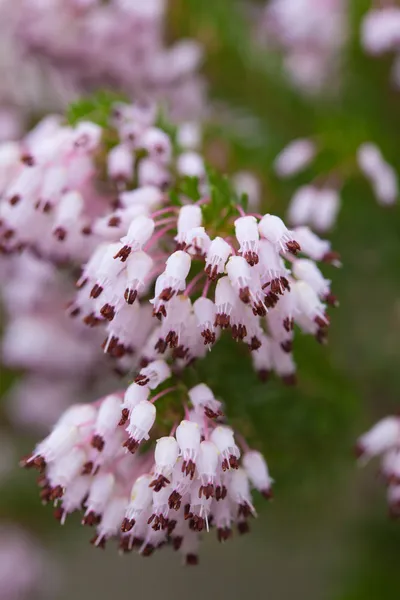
[(96, 108)]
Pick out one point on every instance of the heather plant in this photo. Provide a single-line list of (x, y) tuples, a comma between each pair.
[(199, 292)]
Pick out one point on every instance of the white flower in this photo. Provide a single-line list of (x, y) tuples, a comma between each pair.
[(217, 255), (223, 438), (295, 157), (141, 420), (273, 229), (188, 437), (247, 235), (204, 402)]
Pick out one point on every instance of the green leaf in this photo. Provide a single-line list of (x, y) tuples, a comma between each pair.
[(96, 108)]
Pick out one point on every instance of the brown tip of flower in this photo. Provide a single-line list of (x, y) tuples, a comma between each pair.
[(211, 414), (222, 320), (27, 159), (331, 257), (208, 336), (14, 199), (288, 324), (239, 331), (290, 379), (166, 294), (293, 247), (332, 300), (359, 450), (123, 253), (191, 559), (124, 417), (322, 322), (224, 533), (244, 295), (57, 492), (233, 462), (58, 513), (161, 346), (39, 463), (87, 230), (278, 285), (8, 234), (96, 291), (99, 543), (172, 339), (271, 300), (251, 258), (127, 525), (91, 320), (321, 336), (174, 501), (125, 545), (114, 221), (207, 491), (212, 272), (45, 494), (177, 542), (243, 527), (148, 550), (287, 346), (130, 295), (60, 233), (108, 312), (255, 343), (26, 462), (189, 468), (131, 444), (159, 483), (91, 519), (97, 442), (141, 379), (267, 493), (264, 374)]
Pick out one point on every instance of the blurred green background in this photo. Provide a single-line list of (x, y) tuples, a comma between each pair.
[(326, 534)]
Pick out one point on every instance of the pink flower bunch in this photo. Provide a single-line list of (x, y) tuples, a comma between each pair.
[(318, 203), (380, 34), (311, 34), (383, 440), (168, 260), (71, 41), (33, 298), (190, 482)]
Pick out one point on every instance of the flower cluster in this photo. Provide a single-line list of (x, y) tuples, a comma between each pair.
[(311, 34), (33, 302), (380, 34), (169, 260), (384, 440), (70, 40), (317, 204), (190, 482)]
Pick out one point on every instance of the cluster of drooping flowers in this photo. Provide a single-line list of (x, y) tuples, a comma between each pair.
[(152, 274), (70, 41), (380, 34), (33, 299), (317, 204), (311, 34), (97, 459), (170, 260), (383, 440)]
